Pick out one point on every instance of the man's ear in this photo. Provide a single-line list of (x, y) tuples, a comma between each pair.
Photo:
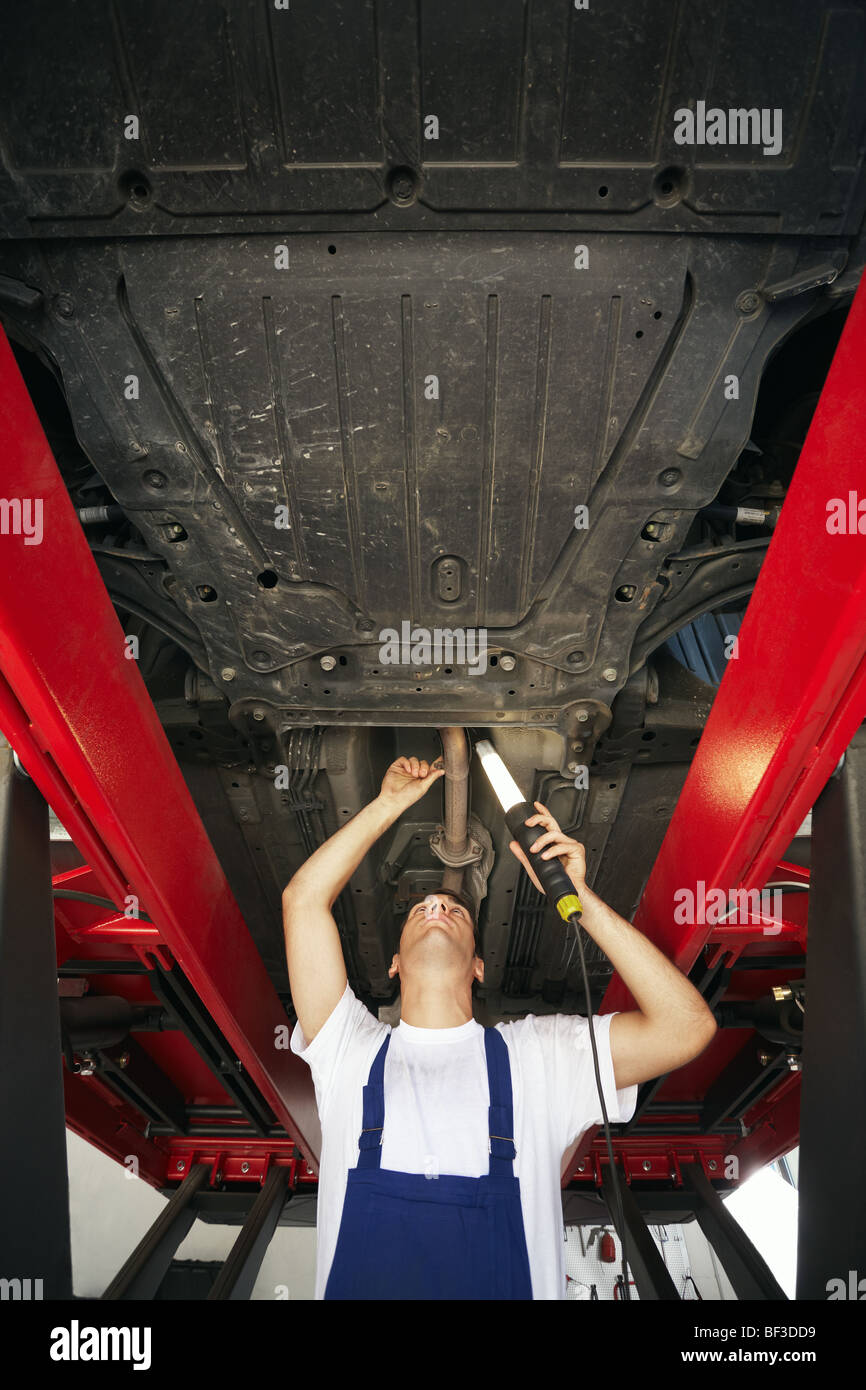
[(395, 967), (479, 970)]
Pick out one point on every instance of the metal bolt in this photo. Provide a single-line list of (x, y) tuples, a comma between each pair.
[(794, 1063), (507, 663), (646, 1165), (180, 1165), (365, 624), (245, 1167), (572, 767), (748, 302), (581, 1165), (403, 186), (577, 746), (180, 447), (154, 478), (327, 663), (123, 1059), (64, 306), (218, 1177), (582, 716), (258, 714), (609, 673), (177, 530), (669, 476), (712, 1165), (781, 992), (764, 1058), (228, 673)]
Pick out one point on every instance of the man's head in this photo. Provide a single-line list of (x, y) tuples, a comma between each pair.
[(439, 940)]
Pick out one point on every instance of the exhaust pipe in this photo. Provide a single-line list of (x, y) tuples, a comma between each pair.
[(456, 844)]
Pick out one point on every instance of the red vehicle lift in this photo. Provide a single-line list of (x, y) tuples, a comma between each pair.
[(215, 1107)]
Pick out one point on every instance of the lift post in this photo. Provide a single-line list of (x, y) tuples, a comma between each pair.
[(832, 1206), (34, 1184)]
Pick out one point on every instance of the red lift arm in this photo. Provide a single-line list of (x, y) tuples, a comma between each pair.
[(78, 714), (786, 710), (791, 701)]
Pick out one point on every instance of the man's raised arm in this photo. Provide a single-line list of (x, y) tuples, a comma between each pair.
[(672, 1023), (314, 957)]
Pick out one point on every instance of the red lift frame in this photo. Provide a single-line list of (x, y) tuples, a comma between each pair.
[(78, 714), (786, 710)]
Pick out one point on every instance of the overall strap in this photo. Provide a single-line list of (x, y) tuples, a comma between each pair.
[(370, 1140), (500, 1115)]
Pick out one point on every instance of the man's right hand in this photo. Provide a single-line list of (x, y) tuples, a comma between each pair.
[(407, 779)]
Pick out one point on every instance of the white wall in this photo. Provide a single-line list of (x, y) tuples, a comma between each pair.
[(110, 1212)]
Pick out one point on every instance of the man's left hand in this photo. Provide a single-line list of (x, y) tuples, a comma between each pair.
[(553, 844)]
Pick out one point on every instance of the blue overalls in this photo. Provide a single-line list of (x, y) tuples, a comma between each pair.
[(407, 1236)]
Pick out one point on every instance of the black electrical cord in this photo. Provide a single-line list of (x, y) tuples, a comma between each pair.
[(574, 920), (93, 898)]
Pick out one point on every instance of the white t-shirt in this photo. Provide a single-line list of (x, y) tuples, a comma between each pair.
[(436, 1101)]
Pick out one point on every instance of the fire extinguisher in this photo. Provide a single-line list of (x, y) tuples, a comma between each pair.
[(607, 1249)]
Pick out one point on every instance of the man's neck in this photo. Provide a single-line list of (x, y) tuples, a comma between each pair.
[(421, 1008)]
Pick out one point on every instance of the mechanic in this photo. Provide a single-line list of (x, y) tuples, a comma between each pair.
[(423, 1124)]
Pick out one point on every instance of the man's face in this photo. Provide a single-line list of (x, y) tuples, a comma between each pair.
[(438, 921)]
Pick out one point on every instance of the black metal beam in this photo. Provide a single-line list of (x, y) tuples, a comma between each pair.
[(34, 1238), (145, 1269), (832, 1211), (135, 1075), (240, 1271), (750, 1275), (651, 1274), (176, 994), (743, 1081), (711, 985)]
